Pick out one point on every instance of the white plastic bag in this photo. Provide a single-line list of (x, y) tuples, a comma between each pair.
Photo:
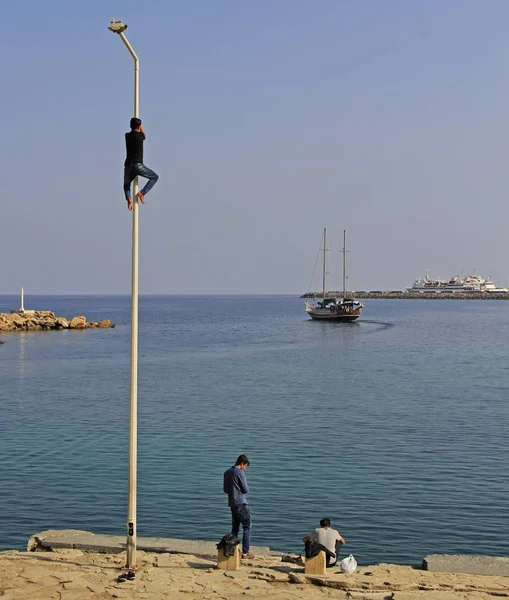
[(348, 564)]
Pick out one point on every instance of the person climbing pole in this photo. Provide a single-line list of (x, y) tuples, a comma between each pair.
[(133, 165)]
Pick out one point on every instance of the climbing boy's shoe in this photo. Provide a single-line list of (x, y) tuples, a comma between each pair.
[(248, 555)]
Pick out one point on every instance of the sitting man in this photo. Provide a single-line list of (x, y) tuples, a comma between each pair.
[(324, 538)]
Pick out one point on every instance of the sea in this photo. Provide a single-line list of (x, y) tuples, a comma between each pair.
[(396, 427)]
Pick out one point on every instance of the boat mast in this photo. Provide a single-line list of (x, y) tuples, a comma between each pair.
[(324, 251), (344, 264)]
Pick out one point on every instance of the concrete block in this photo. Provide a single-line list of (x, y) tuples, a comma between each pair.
[(35, 541), (232, 563), (316, 565), (114, 544), (462, 563)]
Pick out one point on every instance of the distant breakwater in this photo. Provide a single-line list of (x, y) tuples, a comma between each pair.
[(45, 320), (377, 295)]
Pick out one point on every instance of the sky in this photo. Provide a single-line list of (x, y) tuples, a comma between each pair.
[(267, 122)]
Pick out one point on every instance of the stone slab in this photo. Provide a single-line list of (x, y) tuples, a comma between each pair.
[(228, 563), (462, 563), (114, 544), (316, 565)]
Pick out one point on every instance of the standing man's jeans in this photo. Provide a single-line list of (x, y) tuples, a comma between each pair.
[(241, 514), (138, 169)]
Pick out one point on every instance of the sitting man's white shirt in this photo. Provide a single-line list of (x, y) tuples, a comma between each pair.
[(326, 536)]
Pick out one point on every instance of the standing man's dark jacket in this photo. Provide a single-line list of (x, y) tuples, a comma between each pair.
[(235, 485)]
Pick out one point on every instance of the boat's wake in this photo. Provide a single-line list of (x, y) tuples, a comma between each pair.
[(361, 323), (382, 325)]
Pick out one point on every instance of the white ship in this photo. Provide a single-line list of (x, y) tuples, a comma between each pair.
[(491, 287), (471, 284)]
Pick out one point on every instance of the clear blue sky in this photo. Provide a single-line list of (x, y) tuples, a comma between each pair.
[(266, 121)]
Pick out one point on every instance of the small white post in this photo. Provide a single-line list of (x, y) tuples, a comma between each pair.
[(22, 307)]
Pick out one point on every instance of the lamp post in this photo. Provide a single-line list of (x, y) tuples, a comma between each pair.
[(118, 27)]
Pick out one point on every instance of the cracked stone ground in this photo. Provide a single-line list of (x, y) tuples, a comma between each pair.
[(77, 575)]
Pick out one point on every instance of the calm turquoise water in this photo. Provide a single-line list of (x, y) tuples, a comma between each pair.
[(396, 427)]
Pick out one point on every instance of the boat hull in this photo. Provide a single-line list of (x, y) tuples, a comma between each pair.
[(326, 314)]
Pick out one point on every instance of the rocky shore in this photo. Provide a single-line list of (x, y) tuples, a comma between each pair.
[(45, 320), (72, 573)]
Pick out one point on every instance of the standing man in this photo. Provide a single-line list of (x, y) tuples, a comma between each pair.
[(235, 485), (133, 166), (328, 538)]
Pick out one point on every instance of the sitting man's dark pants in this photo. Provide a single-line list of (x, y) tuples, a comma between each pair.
[(312, 549)]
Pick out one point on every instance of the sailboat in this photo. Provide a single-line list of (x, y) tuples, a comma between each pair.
[(334, 309)]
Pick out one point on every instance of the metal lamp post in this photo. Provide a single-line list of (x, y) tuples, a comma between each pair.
[(118, 27)]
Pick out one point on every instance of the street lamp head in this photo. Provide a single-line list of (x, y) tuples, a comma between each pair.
[(117, 26)]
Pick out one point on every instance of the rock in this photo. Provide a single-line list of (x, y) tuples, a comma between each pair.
[(78, 323), (292, 558), (268, 574), (10, 322), (18, 322), (296, 578), (61, 323), (369, 595), (45, 320), (34, 326), (44, 313), (70, 553)]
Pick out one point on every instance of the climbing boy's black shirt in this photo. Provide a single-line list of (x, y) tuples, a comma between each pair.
[(134, 147)]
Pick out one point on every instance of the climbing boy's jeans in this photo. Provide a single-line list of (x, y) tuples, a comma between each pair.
[(138, 170)]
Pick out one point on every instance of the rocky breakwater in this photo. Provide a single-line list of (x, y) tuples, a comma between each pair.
[(403, 295), (45, 320)]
